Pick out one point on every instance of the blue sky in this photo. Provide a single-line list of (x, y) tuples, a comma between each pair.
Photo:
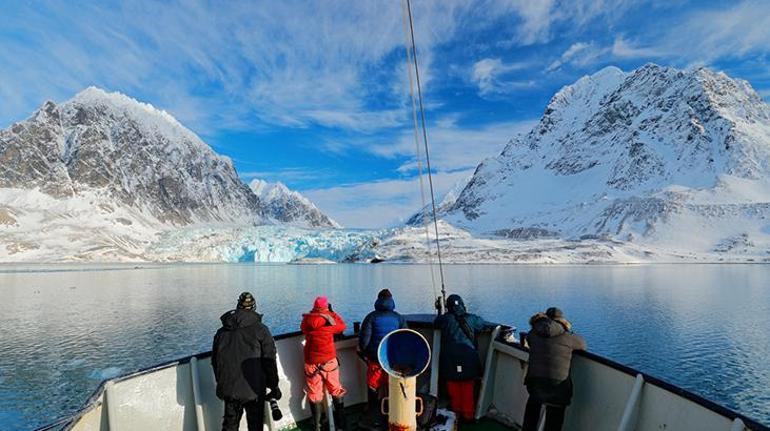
[(315, 93)]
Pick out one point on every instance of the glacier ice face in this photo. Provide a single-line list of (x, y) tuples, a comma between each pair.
[(264, 244)]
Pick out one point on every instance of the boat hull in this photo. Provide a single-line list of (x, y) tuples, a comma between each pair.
[(180, 395)]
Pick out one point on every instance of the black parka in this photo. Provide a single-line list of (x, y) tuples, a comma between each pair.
[(243, 357), (459, 359)]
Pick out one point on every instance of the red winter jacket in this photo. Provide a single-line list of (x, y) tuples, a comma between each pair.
[(319, 327)]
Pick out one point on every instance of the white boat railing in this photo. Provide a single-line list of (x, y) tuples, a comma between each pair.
[(180, 395)]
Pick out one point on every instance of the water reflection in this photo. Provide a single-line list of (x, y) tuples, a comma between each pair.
[(703, 327)]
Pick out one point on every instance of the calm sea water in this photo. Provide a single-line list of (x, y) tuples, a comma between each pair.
[(65, 328)]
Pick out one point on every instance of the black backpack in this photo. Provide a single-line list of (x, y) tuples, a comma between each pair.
[(429, 407)]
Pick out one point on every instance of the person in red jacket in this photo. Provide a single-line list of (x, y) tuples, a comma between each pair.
[(322, 369)]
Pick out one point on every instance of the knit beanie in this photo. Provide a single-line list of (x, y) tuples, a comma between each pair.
[(246, 301)]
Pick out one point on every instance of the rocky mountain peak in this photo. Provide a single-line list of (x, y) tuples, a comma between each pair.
[(128, 153), (288, 206), (615, 147)]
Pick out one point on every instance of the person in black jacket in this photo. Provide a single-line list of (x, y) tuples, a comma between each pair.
[(459, 361), (244, 362)]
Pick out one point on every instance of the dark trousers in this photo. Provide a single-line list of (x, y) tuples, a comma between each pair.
[(255, 414), (554, 416)]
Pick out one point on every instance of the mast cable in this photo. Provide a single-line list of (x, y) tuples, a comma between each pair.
[(427, 150), (418, 151)]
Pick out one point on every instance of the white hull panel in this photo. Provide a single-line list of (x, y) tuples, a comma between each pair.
[(163, 398)]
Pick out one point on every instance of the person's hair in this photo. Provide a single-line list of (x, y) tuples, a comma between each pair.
[(384, 293)]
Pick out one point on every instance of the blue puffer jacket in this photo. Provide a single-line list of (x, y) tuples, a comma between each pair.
[(459, 359), (377, 324)]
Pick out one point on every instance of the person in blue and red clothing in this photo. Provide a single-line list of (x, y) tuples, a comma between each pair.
[(377, 324), (322, 369), (459, 361)]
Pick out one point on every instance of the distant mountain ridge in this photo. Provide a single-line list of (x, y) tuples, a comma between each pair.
[(289, 206), (653, 154)]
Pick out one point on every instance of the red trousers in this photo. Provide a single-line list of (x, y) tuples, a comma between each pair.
[(462, 397), (376, 377)]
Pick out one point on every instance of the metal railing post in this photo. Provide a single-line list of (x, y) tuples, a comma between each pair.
[(200, 423), (629, 419), (487, 372), (434, 363), (738, 425), (112, 414)]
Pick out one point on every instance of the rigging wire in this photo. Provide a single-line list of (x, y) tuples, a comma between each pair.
[(427, 150), (418, 151)]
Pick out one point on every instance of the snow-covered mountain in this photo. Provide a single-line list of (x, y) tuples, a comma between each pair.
[(128, 153), (100, 176), (678, 159), (442, 206), (288, 206), (657, 164)]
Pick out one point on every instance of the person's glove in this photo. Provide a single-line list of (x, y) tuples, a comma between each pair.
[(275, 393), (438, 305)]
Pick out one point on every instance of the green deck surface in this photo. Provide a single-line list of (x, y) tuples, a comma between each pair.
[(356, 413)]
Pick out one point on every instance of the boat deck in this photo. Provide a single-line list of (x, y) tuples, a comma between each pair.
[(180, 394), (356, 413)]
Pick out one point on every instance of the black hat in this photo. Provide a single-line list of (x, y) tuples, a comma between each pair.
[(384, 293), (246, 301), (554, 313)]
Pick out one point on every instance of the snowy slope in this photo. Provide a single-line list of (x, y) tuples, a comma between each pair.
[(666, 158), (443, 205), (128, 153), (101, 176), (288, 206)]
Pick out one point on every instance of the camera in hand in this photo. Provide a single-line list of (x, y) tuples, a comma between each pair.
[(274, 410)]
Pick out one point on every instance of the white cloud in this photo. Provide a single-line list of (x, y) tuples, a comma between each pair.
[(538, 17), (701, 37), (379, 203), (222, 65), (454, 147), (578, 54), (455, 153), (242, 65), (489, 74), (284, 175), (581, 54), (622, 48), (736, 30)]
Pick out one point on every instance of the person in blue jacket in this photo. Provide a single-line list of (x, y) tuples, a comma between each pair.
[(377, 324), (459, 361)]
